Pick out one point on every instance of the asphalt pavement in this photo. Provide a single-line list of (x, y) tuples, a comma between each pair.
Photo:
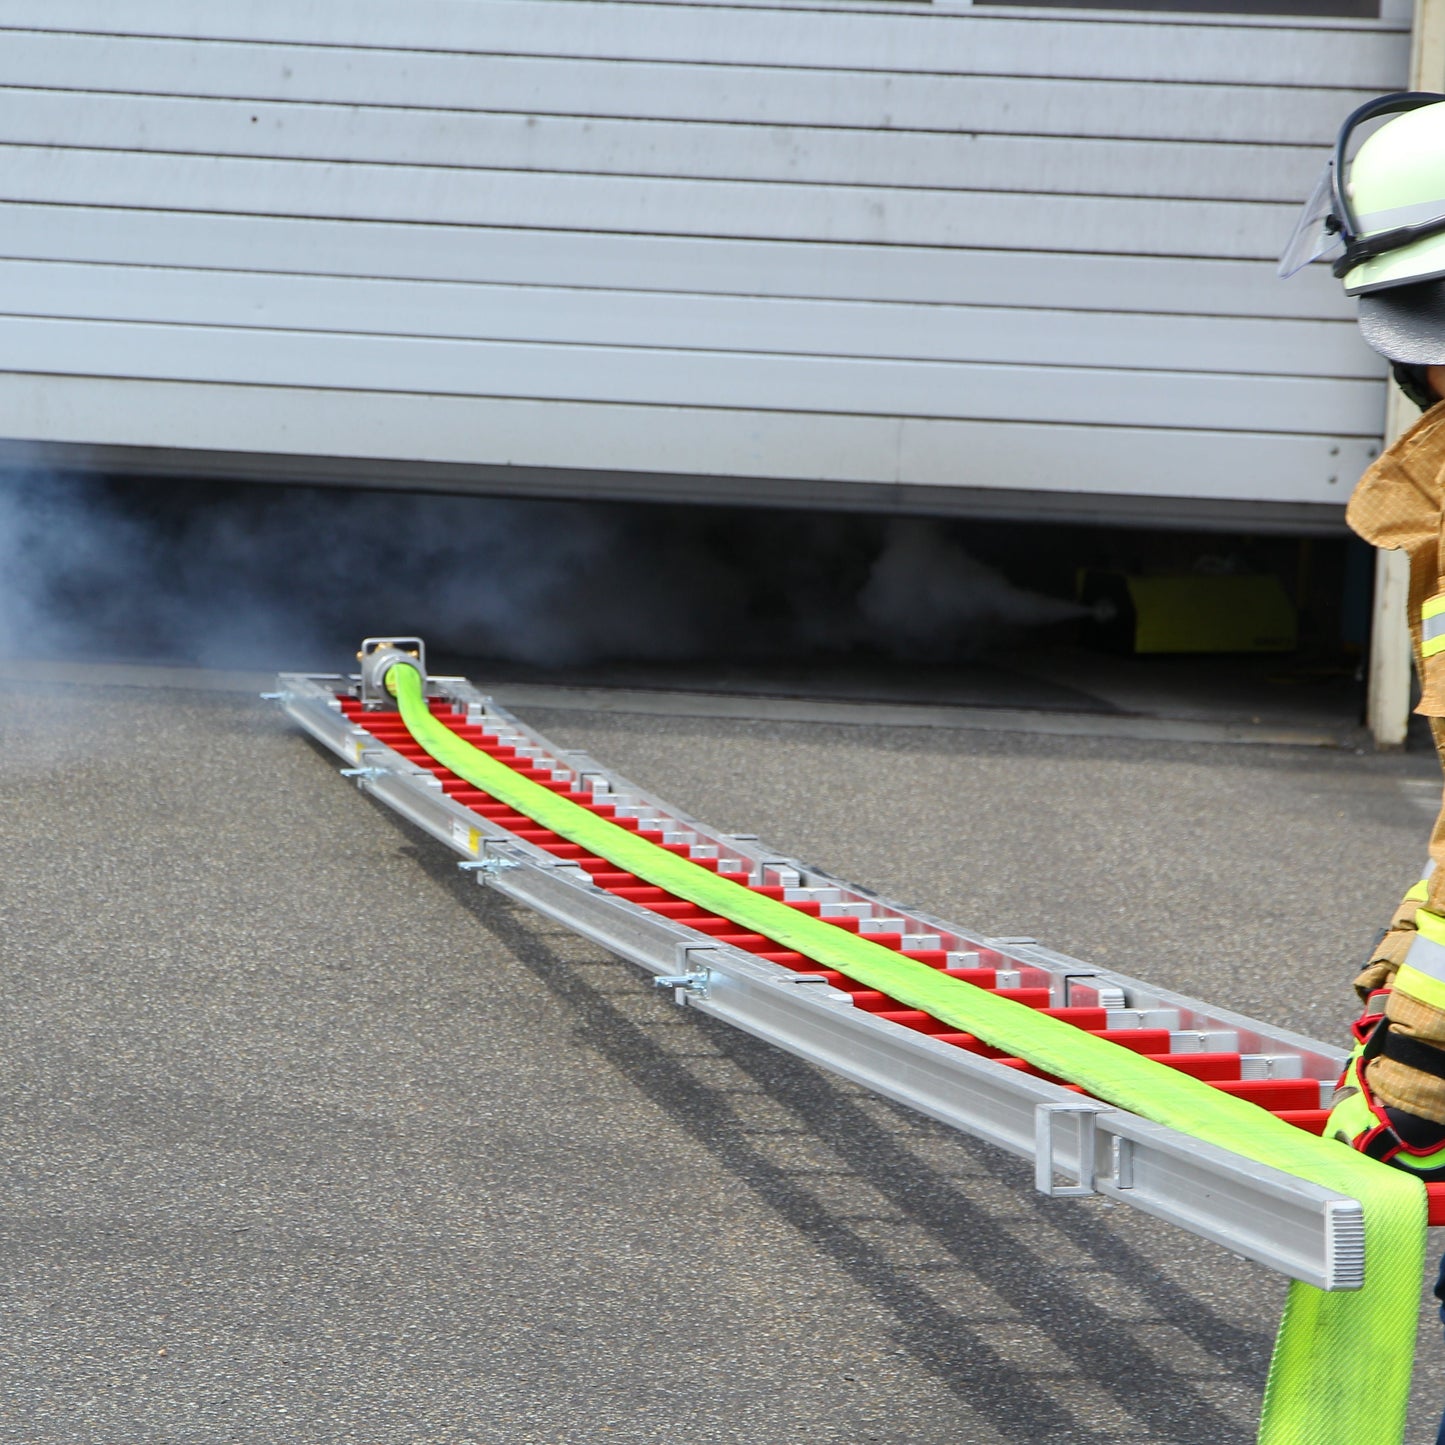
[(308, 1138)]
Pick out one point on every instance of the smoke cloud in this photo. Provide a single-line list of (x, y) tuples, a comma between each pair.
[(270, 576)]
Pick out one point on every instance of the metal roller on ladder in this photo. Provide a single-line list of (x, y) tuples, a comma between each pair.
[(1080, 1146)]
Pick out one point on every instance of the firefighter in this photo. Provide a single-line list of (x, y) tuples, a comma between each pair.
[(1381, 216)]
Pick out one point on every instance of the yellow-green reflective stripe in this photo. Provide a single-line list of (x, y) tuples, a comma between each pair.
[(1432, 927), (1419, 892), (1420, 986), (1432, 625), (1422, 975)]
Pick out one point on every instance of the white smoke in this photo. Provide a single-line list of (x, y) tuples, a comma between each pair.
[(926, 597), (275, 576)]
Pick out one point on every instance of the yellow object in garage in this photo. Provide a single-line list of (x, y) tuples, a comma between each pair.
[(1192, 612)]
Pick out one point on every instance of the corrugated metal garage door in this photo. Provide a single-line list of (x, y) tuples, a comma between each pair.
[(900, 254)]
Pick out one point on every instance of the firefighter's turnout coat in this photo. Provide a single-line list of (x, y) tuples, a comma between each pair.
[(1400, 503)]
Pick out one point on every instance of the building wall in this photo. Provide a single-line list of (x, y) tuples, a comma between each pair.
[(893, 253)]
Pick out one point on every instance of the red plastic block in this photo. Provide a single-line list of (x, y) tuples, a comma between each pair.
[(1093, 1019), (915, 1018), (1276, 1093), (1032, 997), (1141, 1041), (1435, 1202), (970, 1043), (1213, 1068), (748, 942), (1312, 1120), (984, 978)]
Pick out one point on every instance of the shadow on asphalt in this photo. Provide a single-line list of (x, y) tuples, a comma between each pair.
[(1095, 1344)]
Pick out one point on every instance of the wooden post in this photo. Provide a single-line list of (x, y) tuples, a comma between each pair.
[(1388, 696)]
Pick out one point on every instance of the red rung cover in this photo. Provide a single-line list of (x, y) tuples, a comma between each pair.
[(1435, 1203), (1091, 1019), (1033, 997), (1214, 1068), (1142, 1041), (704, 922), (796, 961), (748, 942), (838, 980), (915, 1018), (469, 797), (1312, 1120), (1276, 1093), (970, 1043), (683, 911), (870, 1000), (1024, 1067), (933, 957), (978, 977)]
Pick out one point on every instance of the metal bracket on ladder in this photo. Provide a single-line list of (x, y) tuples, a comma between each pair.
[(687, 982), (1046, 1162)]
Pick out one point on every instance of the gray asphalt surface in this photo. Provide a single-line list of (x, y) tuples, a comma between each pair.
[(308, 1138)]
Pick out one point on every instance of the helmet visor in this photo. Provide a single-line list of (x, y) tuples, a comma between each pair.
[(1313, 238)]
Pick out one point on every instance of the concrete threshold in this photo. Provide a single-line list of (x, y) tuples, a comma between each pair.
[(744, 707), (918, 715)]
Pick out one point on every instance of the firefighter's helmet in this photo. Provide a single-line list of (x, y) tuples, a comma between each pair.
[(1380, 217)]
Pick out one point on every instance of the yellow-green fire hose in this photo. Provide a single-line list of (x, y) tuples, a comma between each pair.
[(1340, 1374)]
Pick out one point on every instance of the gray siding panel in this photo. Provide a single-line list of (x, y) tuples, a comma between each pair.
[(600, 317), (537, 87), (1056, 280), (624, 205), (573, 436), (909, 40), (651, 376), (917, 247), (1045, 165)]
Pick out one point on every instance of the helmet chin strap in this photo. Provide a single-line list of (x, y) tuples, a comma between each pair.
[(1414, 381)]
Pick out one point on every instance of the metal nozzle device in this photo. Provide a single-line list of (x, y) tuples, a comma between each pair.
[(378, 656)]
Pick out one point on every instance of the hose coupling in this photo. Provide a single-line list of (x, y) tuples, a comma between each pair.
[(378, 656)]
